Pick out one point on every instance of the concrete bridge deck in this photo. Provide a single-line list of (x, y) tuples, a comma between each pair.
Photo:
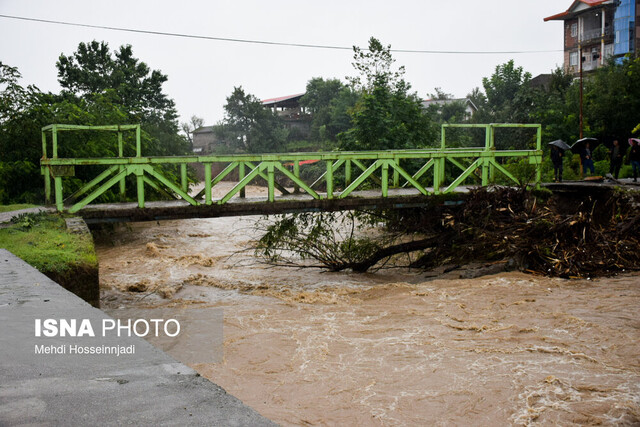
[(292, 203), (180, 209), (147, 388)]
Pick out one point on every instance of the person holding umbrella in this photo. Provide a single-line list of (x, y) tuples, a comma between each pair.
[(634, 158), (587, 160), (558, 147), (582, 147), (617, 155)]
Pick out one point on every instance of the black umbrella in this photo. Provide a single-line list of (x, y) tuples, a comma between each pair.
[(560, 144), (578, 146)]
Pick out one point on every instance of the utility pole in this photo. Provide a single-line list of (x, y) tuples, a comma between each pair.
[(581, 90), (581, 58)]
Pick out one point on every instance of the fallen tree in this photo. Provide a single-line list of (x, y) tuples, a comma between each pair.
[(596, 238)]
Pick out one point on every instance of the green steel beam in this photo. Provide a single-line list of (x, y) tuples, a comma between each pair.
[(116, 128), (100, 190), (397, 169), (95, 181), (426, 154), (156, 187), (385, 178), (266, 166), (207, 184), (157, 175), (183, 177), (416, 176), (226, 171), (329, 179), (505, 172), (242, 183), (475, 165), (271, 181), (240, 177), (264, 176), (296, 180), (363, 176), (139, 172)]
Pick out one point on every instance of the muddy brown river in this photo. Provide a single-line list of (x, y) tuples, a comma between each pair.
[(305, 347)]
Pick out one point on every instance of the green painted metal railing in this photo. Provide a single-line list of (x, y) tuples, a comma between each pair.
[(384, 168)]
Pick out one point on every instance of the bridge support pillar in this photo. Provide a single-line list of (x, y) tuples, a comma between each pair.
[(243, 192), (183, 177), (207, 183), (271, 184), (329, 178), (485, 172), (438, 171), (296, 173), (139, 172), (385, 179), (396, 175), (47, 185), (58, 191), (347, 173)]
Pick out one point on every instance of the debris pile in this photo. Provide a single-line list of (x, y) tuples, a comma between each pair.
[(601, 237), (533, 230)]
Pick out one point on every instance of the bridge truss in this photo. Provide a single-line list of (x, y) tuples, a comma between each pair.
[(342, 172)]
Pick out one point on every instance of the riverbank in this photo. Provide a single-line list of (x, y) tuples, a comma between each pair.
[(58, 246)]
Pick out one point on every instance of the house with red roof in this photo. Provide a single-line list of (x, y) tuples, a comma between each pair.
[(295, 116), (595, 30)]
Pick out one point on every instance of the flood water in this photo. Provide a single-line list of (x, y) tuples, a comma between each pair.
[(305, 347)]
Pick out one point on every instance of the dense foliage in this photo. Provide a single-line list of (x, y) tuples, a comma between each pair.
[(387, 115), (374, 109), (100, 87), (250, 127)]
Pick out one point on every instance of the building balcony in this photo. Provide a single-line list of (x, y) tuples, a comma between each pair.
[(594, 34)]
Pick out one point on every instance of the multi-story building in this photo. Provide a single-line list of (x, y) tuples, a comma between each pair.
[(596, 30), (295, 116)]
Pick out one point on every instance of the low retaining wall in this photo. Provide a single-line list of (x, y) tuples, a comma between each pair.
[(144, 388)]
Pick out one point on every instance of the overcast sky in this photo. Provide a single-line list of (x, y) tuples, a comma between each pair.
[(202, 73)]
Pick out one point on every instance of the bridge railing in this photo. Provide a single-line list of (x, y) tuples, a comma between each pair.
[(383, 170)]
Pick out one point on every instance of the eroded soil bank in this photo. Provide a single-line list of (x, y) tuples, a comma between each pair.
[(395, 347)]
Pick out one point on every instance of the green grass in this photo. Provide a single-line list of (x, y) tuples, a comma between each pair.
[(43, 241), (9, 208)]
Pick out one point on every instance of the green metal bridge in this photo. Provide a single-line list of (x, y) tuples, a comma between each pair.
[(349, 180)]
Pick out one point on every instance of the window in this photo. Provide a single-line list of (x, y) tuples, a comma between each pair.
[(573, 59), (574, 30)]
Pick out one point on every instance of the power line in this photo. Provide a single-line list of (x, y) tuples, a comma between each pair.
[(264, 42)]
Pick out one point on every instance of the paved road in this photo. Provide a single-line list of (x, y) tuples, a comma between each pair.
[(6, 216)]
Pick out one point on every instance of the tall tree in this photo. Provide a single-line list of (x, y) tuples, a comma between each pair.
[(374, 67), (20, 137), (96, 75), (612, 99), (94, 69), (387, 116), (99, 88), (14, 98), (249, 126), (328, 101), (504, 92), (187, 128), (555, 106), (508, 101)]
